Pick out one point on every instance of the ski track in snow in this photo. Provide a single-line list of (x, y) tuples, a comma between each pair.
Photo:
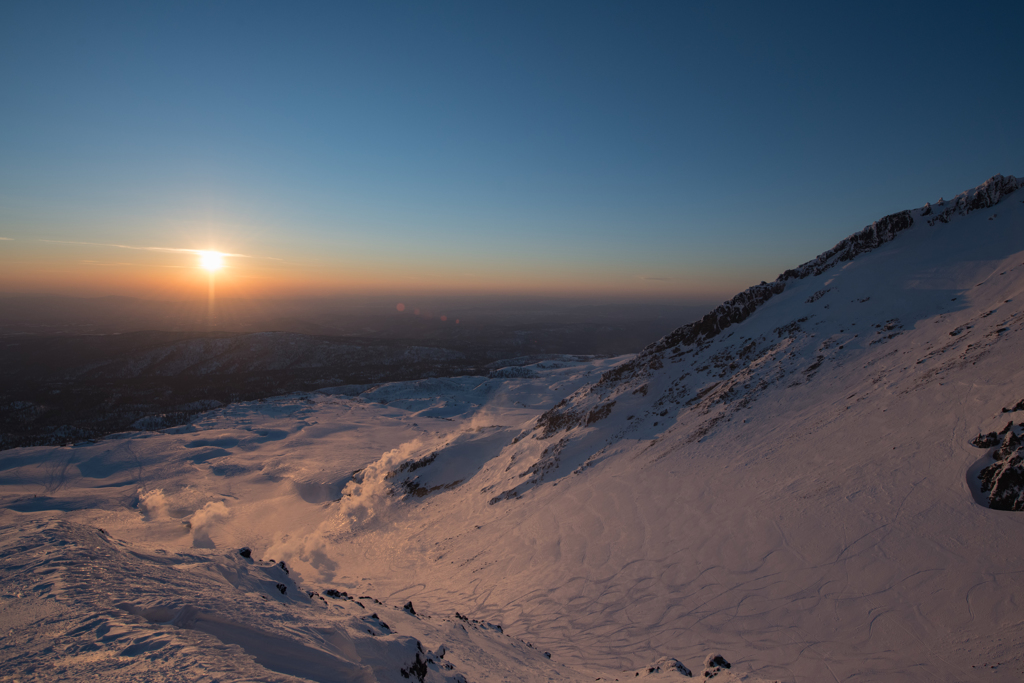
[(796, 491)]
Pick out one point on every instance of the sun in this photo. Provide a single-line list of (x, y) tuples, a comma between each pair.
[(211, 260)]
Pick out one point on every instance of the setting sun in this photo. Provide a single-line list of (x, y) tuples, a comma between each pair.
[(211, 260)]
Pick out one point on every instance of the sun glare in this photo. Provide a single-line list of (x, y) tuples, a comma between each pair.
[(211, 260)]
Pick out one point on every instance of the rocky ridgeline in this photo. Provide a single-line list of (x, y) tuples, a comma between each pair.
[(989, 193), (871, 237), (884, 230), (741, 306), (735, 310), (695, 336)]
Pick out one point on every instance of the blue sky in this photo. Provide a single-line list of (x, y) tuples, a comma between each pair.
[(651, 149)]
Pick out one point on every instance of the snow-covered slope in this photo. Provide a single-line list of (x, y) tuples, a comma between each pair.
[(799, 482)]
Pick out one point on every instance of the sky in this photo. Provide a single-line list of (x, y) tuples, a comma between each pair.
[(634, 150)]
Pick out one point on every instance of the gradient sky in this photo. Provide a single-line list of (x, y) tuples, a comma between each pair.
[(637, 149)]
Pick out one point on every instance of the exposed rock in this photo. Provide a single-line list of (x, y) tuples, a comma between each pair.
[(1003, 480), (557, 419), (735, 310), (989, 193), (376, 621), (664, 665), (715, 664), (817, 295), (411, 466), (417, 669), (875, 235), (1018, 406), (599, 413), (985, 440)]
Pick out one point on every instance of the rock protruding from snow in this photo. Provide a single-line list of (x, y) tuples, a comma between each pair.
[(985, 440), (735, 310), (1019, 405), (1003, 480), (715, 664), (875, 235), (664, 665), (989, 193)]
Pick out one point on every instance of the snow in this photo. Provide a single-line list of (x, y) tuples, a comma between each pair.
[(795, 492)]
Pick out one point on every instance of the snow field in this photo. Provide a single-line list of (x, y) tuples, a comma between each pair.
[(797, 491)]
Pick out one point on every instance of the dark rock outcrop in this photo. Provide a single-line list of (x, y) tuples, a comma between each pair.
[(1014, 408), (714, 665), (985, 440), (735, 310), (1003, 480), (664, 665), (989, 193), (417, 669)]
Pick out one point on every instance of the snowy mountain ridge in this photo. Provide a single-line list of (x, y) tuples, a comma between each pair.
[(825, 489), (737, 309), (988, 194), (723, 377), (893, 347)]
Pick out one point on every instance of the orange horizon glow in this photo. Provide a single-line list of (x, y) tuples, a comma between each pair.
[(185, 273), (239, 282)]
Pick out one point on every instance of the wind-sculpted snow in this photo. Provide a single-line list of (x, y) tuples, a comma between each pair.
[(91, 606), (826, 489), (119, 614)]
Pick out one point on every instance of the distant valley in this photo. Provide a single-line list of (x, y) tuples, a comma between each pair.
[(61, 386)]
